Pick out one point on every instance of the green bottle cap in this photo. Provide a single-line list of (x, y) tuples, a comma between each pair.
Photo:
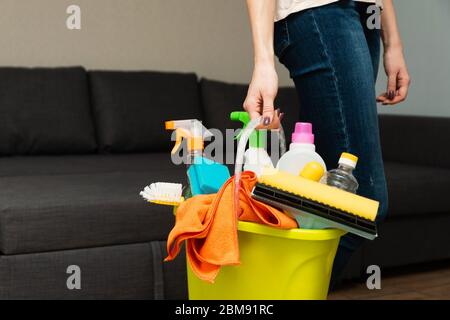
[(258, 137)]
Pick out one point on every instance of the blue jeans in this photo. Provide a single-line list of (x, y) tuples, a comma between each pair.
[(333, 59)]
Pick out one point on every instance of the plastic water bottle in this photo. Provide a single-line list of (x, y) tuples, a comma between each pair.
[(342, 177)]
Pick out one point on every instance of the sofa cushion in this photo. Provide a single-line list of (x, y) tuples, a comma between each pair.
[(417, 190), (45, 212), (413, 240), (219, 99), (130, 107), (45, 111), (80, 164), (416, 140), (132, 271)]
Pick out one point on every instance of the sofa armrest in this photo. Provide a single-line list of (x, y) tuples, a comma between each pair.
[(416, 140)]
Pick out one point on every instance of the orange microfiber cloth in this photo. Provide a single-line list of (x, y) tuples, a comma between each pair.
[(208, 224)]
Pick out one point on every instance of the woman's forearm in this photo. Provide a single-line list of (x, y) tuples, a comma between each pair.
[(264, 85), (389, 29), (394, 60), (262, 13)]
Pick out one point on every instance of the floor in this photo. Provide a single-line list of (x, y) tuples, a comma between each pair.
[(430, 282)]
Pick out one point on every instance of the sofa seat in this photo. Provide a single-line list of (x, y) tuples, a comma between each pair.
[(57, 203), (417, 189)]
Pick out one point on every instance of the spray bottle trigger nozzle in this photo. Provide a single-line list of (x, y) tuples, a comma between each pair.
[(179, 135), (242, 117)]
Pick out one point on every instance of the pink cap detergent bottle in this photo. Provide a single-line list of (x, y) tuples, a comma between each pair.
[(303, 133), (301, 150)]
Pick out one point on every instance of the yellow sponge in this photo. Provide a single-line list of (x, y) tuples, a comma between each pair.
[(321, 193)]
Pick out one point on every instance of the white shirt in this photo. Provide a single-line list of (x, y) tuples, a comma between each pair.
[(286, 7)]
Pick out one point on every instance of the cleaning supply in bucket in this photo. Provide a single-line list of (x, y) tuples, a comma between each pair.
[(243, 139), (256, 157), (301, 150), (208, 223), (329, 205), (312, 171), (209, 226), (205, 176), (342, 177), (164, 193)]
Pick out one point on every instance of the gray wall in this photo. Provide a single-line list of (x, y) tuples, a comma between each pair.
[(425, 28), (210, 37)]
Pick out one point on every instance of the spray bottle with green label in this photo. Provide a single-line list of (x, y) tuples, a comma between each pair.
[(256, 157)]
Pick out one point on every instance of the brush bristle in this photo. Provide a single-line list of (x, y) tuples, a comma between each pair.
[(163, 192)]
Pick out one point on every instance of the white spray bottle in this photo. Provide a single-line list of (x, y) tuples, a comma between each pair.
[(256, 157)]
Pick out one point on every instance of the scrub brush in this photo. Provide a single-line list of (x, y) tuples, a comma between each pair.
[(164, 193)]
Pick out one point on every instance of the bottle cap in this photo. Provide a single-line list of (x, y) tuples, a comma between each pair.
[(348, 159), (303, 133), (312, 171)]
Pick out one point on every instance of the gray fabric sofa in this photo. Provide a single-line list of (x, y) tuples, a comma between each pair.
[(76, 147)]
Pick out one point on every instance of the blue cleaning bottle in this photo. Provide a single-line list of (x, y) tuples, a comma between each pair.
[(205, 176)]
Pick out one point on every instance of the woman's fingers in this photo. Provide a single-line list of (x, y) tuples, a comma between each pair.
[(267, 110), (260, 104), (401, 93), (389, 96), (253, 110), (252, 104), (382, 97), (404, 81), (392, 86), (261, 93)]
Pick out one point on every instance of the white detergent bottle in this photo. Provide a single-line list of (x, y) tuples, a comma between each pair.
[(301, 150)]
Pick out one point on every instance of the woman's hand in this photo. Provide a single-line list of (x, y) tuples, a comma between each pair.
[(262, 92), (264, 85), (398, 77), (394, 61)]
